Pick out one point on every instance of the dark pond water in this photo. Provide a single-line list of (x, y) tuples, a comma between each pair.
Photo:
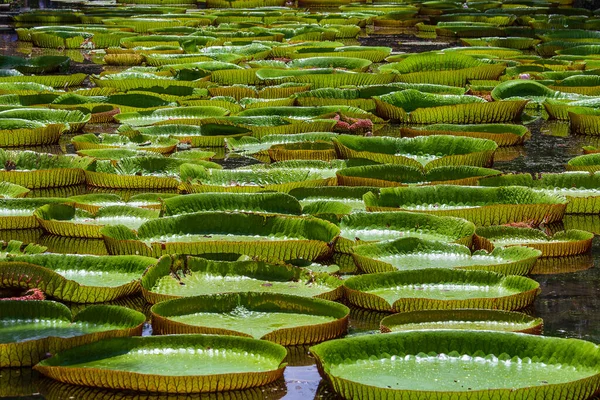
[(569, 303)]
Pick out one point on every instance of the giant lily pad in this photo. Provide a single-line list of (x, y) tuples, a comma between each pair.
[(488, 320), (31, 329), (196, 363), (389, 175), (440, 289), (76, 278), (332, 202), (412, 106), (484, 365), (284, 319), (586, 162), (199, 136), (422, 152), (361, 228), (193, 276), (277, 203), (155, 144), (38, 170), (412, 253), (66, 220), (481, 205), (201, 179), (502, 134), (273, 237), (564, 243), (16, 132), (149, 172), (19, 213)]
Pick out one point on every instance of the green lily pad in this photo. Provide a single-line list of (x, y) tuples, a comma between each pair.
[(488, 320), (273, 237), (76, 278), (66, 220), (412, 253), (560, 244), (196, 363), (424, 152), (277, 203), (361, 228), (390, 175), (502, 134), (193, 276), (440, 289), (284, 319), (480, 205), (31, 329), (434, 363)]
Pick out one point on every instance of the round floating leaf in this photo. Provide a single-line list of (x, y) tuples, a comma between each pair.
[(273, 237), (32, 329), (173, 277), (564, 243), (488, 320), (440, 289), (277, 203), (204, 363), (421, 152), (66, 220), (76, 278), (481, 205), (360, 228), (433, 364), (412, 253), (284, 319), (389, 175), (502, 134)]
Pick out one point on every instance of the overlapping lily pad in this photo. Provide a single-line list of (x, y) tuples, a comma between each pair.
[(66, 220), (276, 203), (31, 329), (361, 228), (284, 319), (273, 237), (390, 175), (420, 152), (502, 134), (481, 205)]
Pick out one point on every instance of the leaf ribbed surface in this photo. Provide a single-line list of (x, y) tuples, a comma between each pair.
[(201, 276), (433, 363), (561, 244), (414, 253), (76, 278), (31, 329), (266, 236), (440, 289), (481, 205), (278, 203), (363, 228), (196, 364), (489, 320), (422, 152), (284, 319)]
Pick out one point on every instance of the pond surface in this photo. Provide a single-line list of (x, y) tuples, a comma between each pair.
[(569, 303)]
